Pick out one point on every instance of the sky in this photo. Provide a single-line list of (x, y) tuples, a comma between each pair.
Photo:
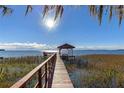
[(76, 27)]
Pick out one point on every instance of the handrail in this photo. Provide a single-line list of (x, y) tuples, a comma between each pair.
[(45, 69)]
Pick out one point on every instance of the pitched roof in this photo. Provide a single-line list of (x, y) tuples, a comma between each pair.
[(65, 46)]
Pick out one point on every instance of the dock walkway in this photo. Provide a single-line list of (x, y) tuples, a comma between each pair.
[(61, 78)]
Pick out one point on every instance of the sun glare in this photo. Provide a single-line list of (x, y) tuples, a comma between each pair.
[(50, 23)]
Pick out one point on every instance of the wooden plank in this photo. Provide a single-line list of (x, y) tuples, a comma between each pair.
[(61, 78)]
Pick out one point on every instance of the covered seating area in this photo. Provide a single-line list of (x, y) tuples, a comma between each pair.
[(66, 51)]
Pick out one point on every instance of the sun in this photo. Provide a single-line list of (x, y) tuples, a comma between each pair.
[(50, 23)]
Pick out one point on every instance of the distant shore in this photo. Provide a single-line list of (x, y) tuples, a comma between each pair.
[(2, 49)]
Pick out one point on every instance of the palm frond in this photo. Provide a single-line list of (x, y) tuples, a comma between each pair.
[(93, 10), (100, 13), (110, 12), (107, 9), (45, 11), (28, 9), (57, 11), (5, 10), (120, 14), (61, 11)]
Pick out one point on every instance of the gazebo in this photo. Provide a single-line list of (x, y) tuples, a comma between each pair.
[(69, 49)]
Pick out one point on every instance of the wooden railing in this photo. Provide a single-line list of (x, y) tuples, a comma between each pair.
[(39, 77)]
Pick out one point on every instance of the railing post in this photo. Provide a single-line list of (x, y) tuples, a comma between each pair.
[(50, 69), (49, 74), (51, 65), (39, 78), (46, 75)]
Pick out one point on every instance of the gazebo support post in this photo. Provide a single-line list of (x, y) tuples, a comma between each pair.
[(60, 52), (72, 51)]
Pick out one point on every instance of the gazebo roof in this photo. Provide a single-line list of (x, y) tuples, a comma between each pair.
[(65, 46)]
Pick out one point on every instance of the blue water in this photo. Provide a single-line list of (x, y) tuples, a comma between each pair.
[(19, 53), (87, 52), (15, 53)]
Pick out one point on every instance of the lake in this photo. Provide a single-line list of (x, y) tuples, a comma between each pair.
[(18, 53), (87, 52)]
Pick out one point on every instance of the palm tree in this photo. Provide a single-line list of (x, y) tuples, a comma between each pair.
[(95, 10)]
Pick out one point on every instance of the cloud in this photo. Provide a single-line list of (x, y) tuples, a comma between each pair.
[(17, 45), (41, 46), (100, 47)]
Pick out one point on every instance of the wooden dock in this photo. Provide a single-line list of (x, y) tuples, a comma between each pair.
[(61, 78), (51, 73)]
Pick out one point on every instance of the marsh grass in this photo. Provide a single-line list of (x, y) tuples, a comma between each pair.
[(101, 71), (13, 69)]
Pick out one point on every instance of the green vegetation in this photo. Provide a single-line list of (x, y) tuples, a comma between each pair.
[(12, 69), (97, 71)]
